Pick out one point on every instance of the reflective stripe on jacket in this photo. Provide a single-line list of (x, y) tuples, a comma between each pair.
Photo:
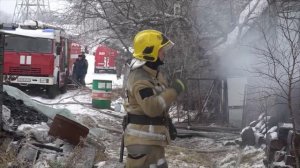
[(155, 103)]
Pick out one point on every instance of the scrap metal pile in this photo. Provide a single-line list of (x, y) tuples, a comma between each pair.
[(28, 140), (278, 140)]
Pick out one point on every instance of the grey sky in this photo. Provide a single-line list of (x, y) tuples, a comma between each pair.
[(8, 6)]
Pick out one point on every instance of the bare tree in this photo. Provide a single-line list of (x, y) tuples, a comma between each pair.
[(118, 21), (196, 27), (279, 60)]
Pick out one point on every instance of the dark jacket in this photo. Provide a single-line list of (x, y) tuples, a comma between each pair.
[(80, 66)]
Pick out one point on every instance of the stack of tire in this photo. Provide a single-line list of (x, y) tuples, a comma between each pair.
[(255, 133), (280, 152), (277, 138)]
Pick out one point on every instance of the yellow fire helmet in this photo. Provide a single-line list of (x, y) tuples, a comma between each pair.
[(147, 43)]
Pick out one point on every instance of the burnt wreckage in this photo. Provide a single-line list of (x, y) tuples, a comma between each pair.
[(20, 113)]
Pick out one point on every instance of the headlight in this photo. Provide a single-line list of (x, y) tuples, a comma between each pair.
[(44, 80)]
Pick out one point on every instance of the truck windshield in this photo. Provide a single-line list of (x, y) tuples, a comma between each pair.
[(27, 44)]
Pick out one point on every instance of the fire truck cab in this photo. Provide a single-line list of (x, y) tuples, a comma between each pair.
[(36, 54)]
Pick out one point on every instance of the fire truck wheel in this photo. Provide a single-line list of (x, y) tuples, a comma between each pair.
[(63, 89), (52, 91)]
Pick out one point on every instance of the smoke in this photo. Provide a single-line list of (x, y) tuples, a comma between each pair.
[(268, 55), (264, 49)]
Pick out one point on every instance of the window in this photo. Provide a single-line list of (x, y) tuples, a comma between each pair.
[(27, 44)]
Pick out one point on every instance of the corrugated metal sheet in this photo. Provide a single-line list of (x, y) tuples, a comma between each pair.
[(67, 129)]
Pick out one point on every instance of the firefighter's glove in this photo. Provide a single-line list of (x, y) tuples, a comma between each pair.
[(178, 86)]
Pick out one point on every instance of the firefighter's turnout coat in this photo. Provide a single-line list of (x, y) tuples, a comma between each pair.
[(149, 96)]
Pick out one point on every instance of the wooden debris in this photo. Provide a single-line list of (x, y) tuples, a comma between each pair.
[(290, 160), (279, 156), (248, 137), (28, 154)]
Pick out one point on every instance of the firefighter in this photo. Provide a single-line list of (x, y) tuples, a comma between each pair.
[(80, 69), (147, 124)]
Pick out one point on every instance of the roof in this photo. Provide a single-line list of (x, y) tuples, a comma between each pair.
[(35, 33)]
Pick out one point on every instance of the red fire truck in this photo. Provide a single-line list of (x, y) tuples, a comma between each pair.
[(105, 59), (36, 54)]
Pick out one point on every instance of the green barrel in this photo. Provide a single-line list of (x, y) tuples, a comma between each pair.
[(101, 94)]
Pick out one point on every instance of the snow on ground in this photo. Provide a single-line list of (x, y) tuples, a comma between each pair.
[(194, 152)]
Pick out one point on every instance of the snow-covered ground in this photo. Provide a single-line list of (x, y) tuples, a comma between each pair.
[(194, 152)]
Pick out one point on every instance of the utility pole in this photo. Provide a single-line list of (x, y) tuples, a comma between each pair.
[(31, 10)]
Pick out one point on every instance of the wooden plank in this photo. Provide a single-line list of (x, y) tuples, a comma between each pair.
[(192, 78), (208, 129), (211, 135)]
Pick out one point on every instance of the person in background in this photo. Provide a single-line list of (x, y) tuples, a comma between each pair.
[(80, 69), (147, 125)]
